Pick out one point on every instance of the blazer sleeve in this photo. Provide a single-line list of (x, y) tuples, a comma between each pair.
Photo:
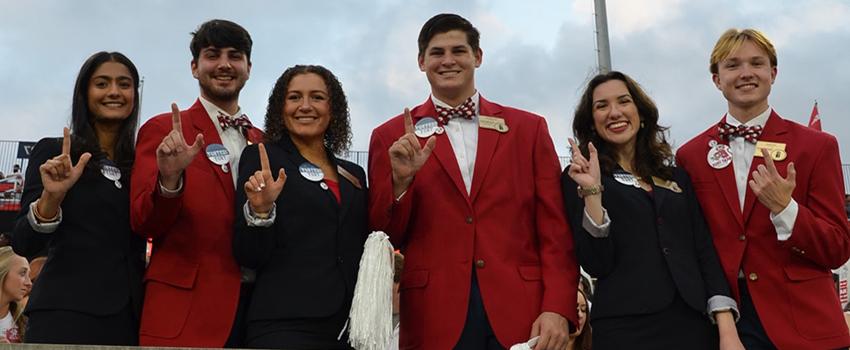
[(558, 261), (26, 241), (252, 245), (821, 232), (385, 214), (151, 214), (595, 255)]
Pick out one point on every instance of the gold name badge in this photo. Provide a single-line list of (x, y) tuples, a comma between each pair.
[(775, 149), (492, 123), (668, 184)]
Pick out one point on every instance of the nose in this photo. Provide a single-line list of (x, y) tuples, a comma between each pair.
[(113, 90), (615, 111), (305, 104), (448, 60)]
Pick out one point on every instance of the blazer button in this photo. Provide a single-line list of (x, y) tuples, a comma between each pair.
[(754, 276), (468, 219), (742, 238), (665, 250), (339, 260), (479, 263)]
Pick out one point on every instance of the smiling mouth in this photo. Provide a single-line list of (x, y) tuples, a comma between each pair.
[(113, 104), (450, 73), (747, 86), (617, 126), (223, 78)]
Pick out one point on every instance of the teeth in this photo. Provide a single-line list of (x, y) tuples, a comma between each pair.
[(617, 125)]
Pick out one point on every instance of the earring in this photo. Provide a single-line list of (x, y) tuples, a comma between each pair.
[(641, 124)]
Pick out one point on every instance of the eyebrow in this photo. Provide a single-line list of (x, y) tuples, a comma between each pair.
[(618, 97)]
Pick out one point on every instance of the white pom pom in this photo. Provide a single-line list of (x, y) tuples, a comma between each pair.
[(371, 310)]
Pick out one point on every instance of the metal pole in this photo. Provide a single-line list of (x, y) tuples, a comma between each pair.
[(141, 93), (603, 49)]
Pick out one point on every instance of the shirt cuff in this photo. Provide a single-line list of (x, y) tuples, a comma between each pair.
[(170, 193), (42, 227), (784, 221), (720, 303), (253, 220), (597, 231)]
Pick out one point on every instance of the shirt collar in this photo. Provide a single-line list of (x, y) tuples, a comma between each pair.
[(759, 120), (213, 110)]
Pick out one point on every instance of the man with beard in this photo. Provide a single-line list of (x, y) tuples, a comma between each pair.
[(183, 200)]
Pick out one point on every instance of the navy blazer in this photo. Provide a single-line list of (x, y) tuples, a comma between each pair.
[(658, 245), (307, 261), (94, 261)]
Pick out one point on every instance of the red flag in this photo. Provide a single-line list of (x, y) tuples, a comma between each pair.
[(814, 120)]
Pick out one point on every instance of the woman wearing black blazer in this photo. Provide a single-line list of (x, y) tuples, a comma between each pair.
[(639, 230), (75, 205), (304, 231)]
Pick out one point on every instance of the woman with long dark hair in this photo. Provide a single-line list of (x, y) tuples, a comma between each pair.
[(639, 230), (76, 205), (301, 216)]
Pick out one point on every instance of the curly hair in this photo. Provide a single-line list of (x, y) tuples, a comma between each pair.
[(653, 155), (337, 137)]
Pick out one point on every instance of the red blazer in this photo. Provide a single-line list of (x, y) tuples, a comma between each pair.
[(192, 282), (511, 229), (790, 282)]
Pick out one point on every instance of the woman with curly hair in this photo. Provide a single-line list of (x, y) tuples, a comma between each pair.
[(639, 230), (15, 284), (301, 216)]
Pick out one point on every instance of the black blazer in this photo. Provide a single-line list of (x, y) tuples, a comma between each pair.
[(94, 261), (658, 245), (307, 261)]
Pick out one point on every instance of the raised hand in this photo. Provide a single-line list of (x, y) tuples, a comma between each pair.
[(58, 174), (261, 188), (173, 154), (770, 188), (407, 156), (583, 171)]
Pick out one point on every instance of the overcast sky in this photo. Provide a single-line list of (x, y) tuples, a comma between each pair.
[(537, 55)]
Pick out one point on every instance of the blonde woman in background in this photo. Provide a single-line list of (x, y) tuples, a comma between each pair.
[(15, 284)]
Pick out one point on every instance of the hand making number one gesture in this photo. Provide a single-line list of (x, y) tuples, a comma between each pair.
[(407, 155), (261, 188), (58, 174), (173, 154)]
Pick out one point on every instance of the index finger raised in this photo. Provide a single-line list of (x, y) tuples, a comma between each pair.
[(408, 121), (176, 123), (264, 159), (66, 141), (768, 161)]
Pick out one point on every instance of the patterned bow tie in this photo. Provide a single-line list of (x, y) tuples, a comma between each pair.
[(749, 133), (241, 122), (465, 110)]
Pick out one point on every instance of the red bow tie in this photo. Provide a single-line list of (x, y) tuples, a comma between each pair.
[(749, 133), (465, 110), (241, 122)]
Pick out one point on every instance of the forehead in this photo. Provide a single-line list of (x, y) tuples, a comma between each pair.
[(307, 82), (111, 69), (747, 49), (452, 38), (609, 89), (225, 50)]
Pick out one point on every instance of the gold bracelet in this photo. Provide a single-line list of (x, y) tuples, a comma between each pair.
[(590, 191), (40, 218)]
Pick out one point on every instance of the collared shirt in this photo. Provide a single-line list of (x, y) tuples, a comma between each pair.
[(463, 136), (231, 138), (742, 159)]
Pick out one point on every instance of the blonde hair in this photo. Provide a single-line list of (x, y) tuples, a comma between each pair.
[(6, 256), (733, 38)]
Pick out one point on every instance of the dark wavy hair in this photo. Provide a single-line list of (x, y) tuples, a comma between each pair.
[(222, 34), (584, 341), (338, 135), (653, 155), (82, 120), (446, 22)]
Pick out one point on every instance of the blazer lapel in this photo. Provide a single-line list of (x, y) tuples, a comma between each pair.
[(443, 150), (726, 179), (203, 124), (487, 141), (773, 131), (346, 194)]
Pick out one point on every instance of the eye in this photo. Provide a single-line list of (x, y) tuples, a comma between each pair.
[(125, 84)]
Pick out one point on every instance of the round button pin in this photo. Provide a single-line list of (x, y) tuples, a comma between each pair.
[(311, 172), (426, 127)]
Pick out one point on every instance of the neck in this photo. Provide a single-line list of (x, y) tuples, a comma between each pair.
[(4, 307), (626, 157), (230, 106), (107, 136), (745, 114), (313, 150), (454, 98)]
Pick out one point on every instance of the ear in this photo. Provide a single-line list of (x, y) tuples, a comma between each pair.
[(773, 72), (194, 66), (715, 77), (421, 60), (479, 57)]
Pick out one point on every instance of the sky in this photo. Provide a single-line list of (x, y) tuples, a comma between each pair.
[(538, 55)]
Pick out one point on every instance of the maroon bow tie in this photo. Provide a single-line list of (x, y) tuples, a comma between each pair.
[(749, 133), (241, 122), (465, 110)]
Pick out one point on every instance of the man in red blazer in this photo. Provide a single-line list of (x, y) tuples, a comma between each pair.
[(771, 192), (489, 259), (184, 200)]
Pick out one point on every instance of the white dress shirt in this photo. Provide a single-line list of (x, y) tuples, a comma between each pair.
[(742, 159), (463, 136), (231, 138)]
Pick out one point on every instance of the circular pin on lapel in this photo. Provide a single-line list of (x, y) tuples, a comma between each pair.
[(426, 127), (111, 172), (311, 172), (219, 155), (719, 156)]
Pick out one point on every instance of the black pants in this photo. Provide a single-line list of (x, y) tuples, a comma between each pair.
[(477, 333), (750, 329), (236, 339), (72, 327)]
